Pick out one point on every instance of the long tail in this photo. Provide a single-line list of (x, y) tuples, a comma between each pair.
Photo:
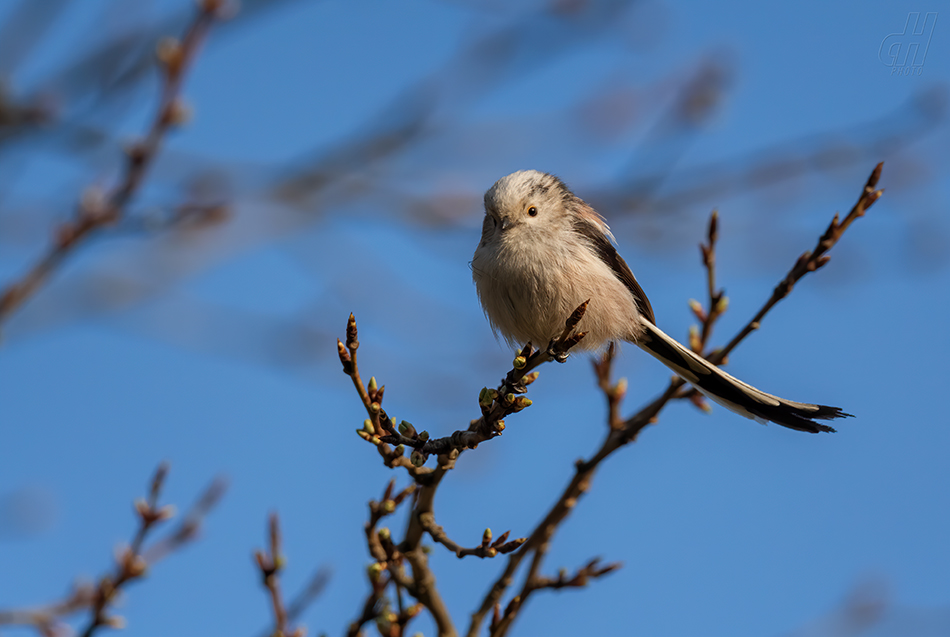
[(731, 392)]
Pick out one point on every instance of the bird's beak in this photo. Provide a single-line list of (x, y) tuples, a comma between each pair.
[(505, 223)]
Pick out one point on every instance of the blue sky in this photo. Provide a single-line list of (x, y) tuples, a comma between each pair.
[(215, 349)]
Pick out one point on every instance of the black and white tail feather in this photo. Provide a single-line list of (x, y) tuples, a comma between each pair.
[(732, 393)]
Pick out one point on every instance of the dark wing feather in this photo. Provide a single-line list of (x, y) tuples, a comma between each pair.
[(608, 253)]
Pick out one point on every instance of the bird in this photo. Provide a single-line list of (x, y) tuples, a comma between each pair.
[(544, 251)]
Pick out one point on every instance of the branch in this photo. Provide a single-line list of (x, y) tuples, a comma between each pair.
[(270, 565), (498, 403), (381, 430), (580, 579), (809, 261), (97, 210), (132, 563), (487, 548), (46, 619)]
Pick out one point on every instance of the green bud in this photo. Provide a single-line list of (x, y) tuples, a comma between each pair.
[(486, 536), (388, 506), (723, 304), (384, 533), (487, 396), (423, 436), (362, 434), (417, 458), (520, 362), (372, 385), (530, 378), (399, 450), (374, 407), (521, 402), (368, 426)]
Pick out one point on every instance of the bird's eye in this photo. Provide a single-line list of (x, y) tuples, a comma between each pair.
[(532, 211)]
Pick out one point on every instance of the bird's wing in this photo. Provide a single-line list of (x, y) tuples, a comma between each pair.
[(608, 253)]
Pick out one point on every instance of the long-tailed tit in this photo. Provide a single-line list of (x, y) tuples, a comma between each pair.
[(544, 251)]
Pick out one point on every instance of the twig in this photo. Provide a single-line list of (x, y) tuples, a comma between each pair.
[(388, 560), (97, 210), (717, 300), (613, 392), (591, 570), (46, 619), (270, 564), (487, 548), (378, 424), (809, 261), (132, 563), (498, 403)]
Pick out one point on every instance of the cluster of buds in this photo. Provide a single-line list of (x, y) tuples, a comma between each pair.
[(489, 548), (368, 432), (150, 514)]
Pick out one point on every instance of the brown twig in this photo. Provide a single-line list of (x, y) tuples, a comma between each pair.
[(46, 619), (487, 548), (388, 561), (270, 564), (717, 300), (97, 210), (132, 562), (613, 392), (591, 570), (496, 404), (810, 261), (537, 542)]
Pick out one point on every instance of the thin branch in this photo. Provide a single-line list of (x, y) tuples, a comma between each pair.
[(132, 562), (487, 548), (97, 210), (270, 564), (46, 619), (591, 570), (809, 261), (498, 403)]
